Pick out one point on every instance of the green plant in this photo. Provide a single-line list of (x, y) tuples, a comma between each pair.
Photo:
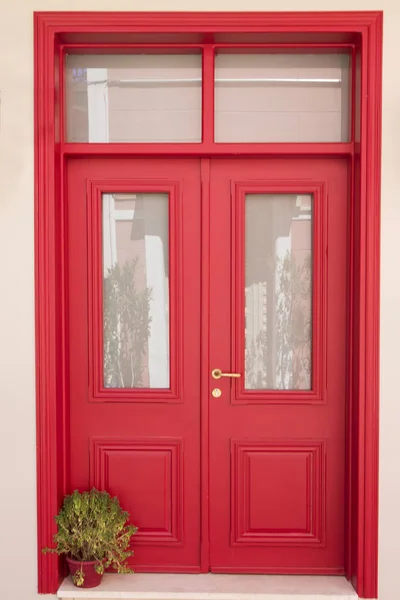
[(93, 527)]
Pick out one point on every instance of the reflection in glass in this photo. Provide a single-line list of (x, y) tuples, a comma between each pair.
[(133, 98), (282, 97), (278, 292), (135, 291)]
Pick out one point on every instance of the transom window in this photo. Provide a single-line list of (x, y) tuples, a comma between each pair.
[(254, 95)]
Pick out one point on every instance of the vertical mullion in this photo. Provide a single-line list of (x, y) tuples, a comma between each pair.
[(208, 95)]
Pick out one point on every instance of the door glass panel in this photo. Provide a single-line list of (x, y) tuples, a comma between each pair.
[(278, 292), (282, 98), (135, 291), (133, 98)]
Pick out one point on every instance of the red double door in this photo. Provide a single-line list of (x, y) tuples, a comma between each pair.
[(207, 330)]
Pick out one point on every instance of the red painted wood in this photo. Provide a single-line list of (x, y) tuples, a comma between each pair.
[(155, 48), (178, 27), (49, 389), (205, 353), (208, 97), (366, 316), (352, 111), (364, 30), (239, 189), (209, 148), (289, 457), (95, 189), (250, 467), (116, 457), (142, 445)]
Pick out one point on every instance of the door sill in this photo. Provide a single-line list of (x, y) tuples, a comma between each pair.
[(208, 586)]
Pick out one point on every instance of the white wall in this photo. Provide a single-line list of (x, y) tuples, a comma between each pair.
[(17, 397)]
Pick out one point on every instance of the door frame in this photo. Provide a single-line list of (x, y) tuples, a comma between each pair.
[(360, 30)]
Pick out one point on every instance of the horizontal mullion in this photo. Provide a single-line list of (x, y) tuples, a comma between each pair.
[(207, 149), (79, 47)]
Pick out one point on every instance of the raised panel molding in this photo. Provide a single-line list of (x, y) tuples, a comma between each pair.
[(150, 471), (319, 192), (266, 478), (95, 190)]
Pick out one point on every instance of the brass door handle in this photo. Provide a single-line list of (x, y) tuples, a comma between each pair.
[(217, 374)]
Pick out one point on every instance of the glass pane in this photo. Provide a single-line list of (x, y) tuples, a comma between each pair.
[(278, 293), (135, 290), (133, 98), (282, 98)]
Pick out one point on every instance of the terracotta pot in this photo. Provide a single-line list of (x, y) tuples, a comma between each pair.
[(92, 578)]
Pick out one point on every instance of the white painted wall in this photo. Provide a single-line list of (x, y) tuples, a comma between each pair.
[(17, 397)]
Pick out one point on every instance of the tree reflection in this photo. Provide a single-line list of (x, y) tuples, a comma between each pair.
[(284, 336), (126, 326)]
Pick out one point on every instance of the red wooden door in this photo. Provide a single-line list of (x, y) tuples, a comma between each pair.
[(133, 244), (277, 318)]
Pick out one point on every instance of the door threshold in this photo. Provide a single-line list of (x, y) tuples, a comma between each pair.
[(209, 586)]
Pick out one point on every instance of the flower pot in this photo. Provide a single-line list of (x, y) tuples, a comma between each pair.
[(92, 578)]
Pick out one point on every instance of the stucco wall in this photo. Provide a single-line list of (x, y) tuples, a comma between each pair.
[(17, 404)]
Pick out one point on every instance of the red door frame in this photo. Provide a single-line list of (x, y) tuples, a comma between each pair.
[(362, 31)]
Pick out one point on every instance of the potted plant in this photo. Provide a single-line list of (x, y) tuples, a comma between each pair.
[(94, 534)]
